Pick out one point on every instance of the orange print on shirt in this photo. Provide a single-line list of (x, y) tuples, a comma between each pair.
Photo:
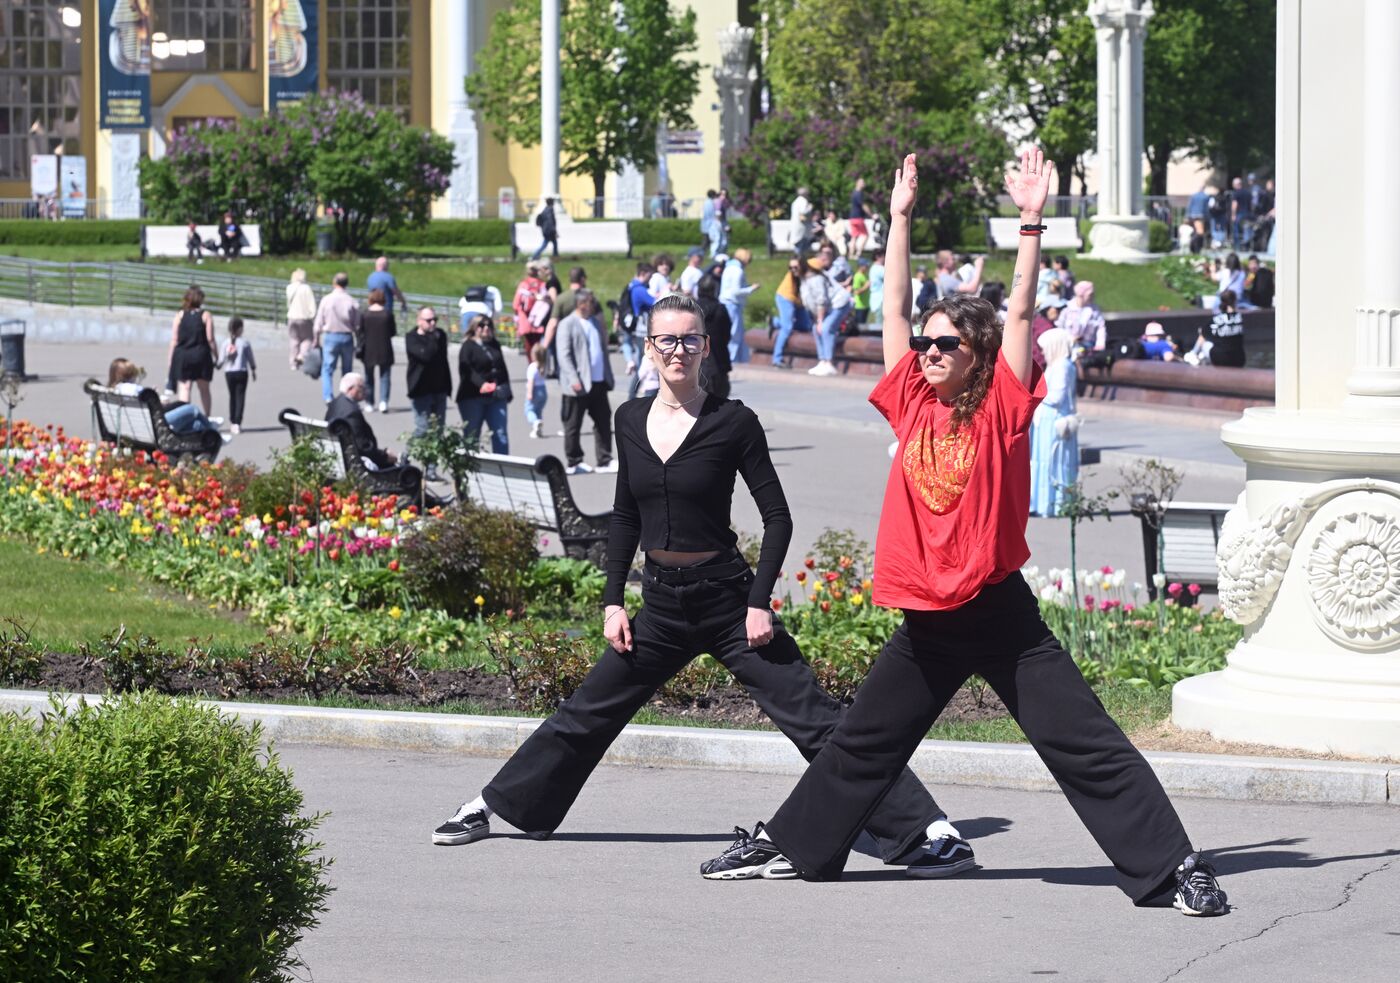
[(939, 468)]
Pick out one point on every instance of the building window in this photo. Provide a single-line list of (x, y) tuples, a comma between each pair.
[(203, 35), (40, 83), (368, 51)]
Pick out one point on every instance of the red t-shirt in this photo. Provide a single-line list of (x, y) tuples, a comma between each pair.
[(954, 518)]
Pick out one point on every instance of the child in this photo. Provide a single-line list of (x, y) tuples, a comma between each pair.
[(238, 363), (536, 389)]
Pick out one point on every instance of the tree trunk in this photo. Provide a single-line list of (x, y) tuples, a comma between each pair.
[(1158, 158), (1064, 176), (600, 180)]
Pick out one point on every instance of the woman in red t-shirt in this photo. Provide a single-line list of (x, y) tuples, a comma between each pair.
[(952, 539)]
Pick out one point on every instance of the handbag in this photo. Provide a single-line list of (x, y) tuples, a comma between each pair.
[(1067, 425), (540, 312), (311, 363)]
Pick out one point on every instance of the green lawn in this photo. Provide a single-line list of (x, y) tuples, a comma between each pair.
[(68, 602), (446, 270)]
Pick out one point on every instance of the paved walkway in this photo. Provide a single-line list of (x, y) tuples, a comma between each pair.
[(830, 446), (616, 894)]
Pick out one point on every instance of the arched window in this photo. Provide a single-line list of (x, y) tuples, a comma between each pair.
[(368, 50), (40, 82), (203, 35)]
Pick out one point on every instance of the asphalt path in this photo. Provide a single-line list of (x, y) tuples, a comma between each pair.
[(616, 894)]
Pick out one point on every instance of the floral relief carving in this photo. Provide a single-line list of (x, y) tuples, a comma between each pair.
[(1354, 578), (1252, 558)]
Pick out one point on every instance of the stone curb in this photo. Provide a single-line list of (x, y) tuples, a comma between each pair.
[(937, 762)]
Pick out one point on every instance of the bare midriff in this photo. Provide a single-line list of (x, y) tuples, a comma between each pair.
[(671, 558)]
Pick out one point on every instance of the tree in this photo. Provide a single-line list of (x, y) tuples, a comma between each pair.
[(1041, 65), (873, 55), (621, 76), (372, 171)]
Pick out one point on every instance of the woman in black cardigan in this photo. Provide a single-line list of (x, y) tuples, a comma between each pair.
[(483, 388)]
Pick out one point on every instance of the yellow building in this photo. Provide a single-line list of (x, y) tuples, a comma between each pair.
[(225, 58)]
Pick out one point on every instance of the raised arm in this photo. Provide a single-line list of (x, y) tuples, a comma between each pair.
[(898, 299), (1028, 189)]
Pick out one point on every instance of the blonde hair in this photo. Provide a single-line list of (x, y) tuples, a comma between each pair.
[(298, 276), (123, 370), (540, 356)]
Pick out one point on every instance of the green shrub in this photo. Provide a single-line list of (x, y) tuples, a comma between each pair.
[(466, 553), (565, 585), (1159, 237), (452, 232), (544, 668), (302, 466), (673, 231), (96, 232), (1183, 274), (130, 664), (150, 839), (318, 668), (21, 661)]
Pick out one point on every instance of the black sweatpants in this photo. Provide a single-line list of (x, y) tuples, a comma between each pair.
[(595, 404), (999, 635), (537, 786), (237, 395)]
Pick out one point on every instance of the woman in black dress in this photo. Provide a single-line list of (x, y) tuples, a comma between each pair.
[(377, 330), (483, 385), (193, 350), (680, 453)]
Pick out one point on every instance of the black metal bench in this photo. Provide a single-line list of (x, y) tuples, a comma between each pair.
[(138, 422), (338, 443), (538, 489), (1190, 537)]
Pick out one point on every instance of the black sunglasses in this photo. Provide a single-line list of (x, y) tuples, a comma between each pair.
[(945, 343), (667, 343), (428, 320)]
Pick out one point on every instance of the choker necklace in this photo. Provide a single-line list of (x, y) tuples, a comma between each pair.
[(682, 403)]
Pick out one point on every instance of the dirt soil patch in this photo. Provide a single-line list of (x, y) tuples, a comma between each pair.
[(1166, 736)]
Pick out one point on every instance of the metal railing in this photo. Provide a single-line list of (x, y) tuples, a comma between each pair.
[(159, 289), (1170, 209), (57, 209)]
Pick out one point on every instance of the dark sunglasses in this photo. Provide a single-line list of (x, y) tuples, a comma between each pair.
[(428, 320), (945, 343)]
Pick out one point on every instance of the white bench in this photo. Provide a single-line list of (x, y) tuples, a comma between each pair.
[(169, 240), (1060, 233), (138, 422), (1190, 535), (538, 491), (576, 238), (337, 445)]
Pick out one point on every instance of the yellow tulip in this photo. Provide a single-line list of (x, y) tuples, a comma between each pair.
[(396, 612), (479, 601), (857, 600)]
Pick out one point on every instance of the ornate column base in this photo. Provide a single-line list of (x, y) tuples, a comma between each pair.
[(1119, 239), (1310, 563), (463, 195), (124, 175)]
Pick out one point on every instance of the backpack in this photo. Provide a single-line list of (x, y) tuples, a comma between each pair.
[(626, 315), (475, 295)]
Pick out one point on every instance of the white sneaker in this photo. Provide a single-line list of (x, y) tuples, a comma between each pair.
[(537, 431), (815, 370), (383, 406), (580, 468), (609, 468), (218, 421), (235, 428), (828, 369)]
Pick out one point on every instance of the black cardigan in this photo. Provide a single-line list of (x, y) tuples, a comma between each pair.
[(428, 371), (478, 364)]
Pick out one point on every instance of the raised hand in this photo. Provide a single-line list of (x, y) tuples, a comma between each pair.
[(906, 187), (1030, 186)]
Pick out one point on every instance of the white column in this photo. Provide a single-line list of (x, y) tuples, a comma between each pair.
[(734, 78), (1374, 384), (124, 175), (1119, 231), (464, 194), (1106, 36), (549, 98)]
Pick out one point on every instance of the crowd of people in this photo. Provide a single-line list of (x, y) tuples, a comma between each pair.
[(1240, 217)]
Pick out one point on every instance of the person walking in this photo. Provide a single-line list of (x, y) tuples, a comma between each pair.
[(734, 290), (537, 390), (376, 347), (681, 452), (301, 319), (337, 325), (951, 542), (585, 379), (1054, 427), (714, 372), (238, 364), (429, 377), (799, 219), (548, 224), (382, 279), (532, 307), (856, 216), (792, 312), (193, 350), (483, 386)]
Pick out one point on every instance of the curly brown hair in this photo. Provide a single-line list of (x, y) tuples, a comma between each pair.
[(976, 321)]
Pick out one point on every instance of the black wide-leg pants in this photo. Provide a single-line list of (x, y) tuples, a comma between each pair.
[(537, 786), (1000, 636)]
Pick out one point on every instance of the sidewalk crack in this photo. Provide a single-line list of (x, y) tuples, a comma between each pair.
[(1347, 891)]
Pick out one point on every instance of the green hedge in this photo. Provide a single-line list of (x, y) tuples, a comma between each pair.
[(74, 232), (1159, 237), (672, 231), (150, 839), (452, 232)]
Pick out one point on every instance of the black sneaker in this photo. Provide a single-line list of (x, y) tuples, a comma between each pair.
[(943, 857), (465, 827), (749, 857), (1197, 892)]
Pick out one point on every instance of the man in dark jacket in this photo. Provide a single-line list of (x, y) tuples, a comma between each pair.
[(549, 228), (346, 407)]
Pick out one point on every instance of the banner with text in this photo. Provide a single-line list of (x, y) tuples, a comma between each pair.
[(292, 70), (125, 57), (73, 185)]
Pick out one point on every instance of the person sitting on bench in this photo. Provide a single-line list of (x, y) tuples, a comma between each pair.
[(346, 406)]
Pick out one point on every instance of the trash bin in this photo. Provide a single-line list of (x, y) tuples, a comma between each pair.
[(325, 240), (12, 347)]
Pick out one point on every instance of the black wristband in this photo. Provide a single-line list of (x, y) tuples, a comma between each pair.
[(1032, 228)]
